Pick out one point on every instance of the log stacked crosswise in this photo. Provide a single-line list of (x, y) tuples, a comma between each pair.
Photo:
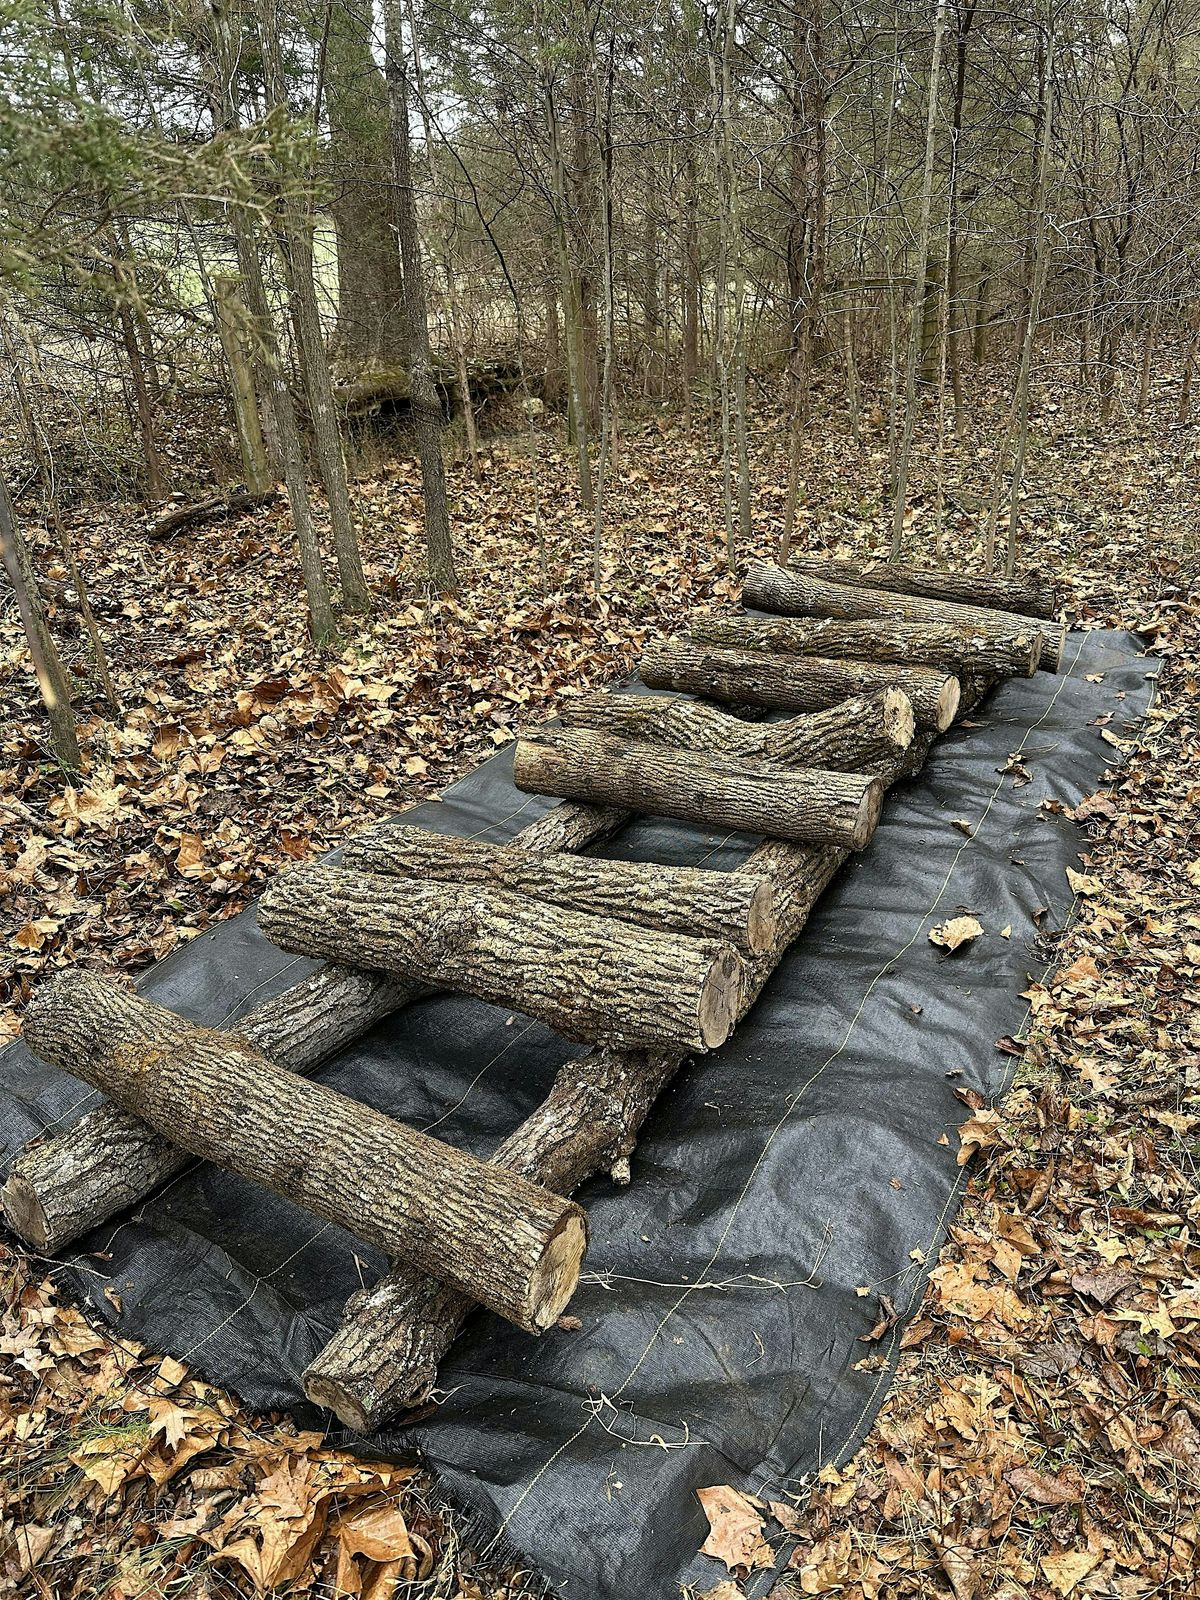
[(819, 705)]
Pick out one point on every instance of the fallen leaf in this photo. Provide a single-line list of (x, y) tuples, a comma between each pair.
[(735, 1529), (1043, 1489), (956, 932), (1065, 1570)]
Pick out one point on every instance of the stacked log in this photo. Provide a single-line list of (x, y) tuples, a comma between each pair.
[(1025, 595), (754, 797), (60, 1187), (394, 1334), (587, 976), (852, 735), (790, 593), (965, 651), (484, 1230), (706, 905), (795, 683)]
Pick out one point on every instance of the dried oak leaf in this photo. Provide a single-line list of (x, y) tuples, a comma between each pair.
[(1103, 1285), (956, 932), (1042, 1488), (734, 1529), (1068, 1567), (979, 1132)]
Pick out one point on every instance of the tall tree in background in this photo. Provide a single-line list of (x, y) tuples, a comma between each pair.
[(426, 405)]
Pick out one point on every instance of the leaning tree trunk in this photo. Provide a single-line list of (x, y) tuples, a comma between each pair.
[(849, 737), (511, 1244), (723, 906), (60, 1187), (47, 663), (794, 683), (955, 649), (385, 1355), (755, 797), (791, 594), (1024, 595), (587, 976)]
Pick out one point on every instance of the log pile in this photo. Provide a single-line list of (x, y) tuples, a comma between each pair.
[(647, 963)]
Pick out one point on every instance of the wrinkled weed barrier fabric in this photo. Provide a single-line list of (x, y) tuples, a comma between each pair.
[(813, 1154)]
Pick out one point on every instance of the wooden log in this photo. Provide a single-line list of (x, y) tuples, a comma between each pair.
[(734, 909), (238, 504), (393, 1335), (795, 683), (753, 796), (589, 977), (1027, 596), (954, 649), (847, 737), (793, 594), (60, 1187), (510, 1243)]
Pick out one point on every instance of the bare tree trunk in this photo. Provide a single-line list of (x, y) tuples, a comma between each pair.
[(231, 325), (427, 408), (47, 664), (283, 412), (45, 465), (904, 454)]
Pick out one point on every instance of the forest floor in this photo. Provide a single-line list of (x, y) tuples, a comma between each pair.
[(1043, 1434)]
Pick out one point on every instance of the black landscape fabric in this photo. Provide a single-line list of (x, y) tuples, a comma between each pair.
[(721, 1314)]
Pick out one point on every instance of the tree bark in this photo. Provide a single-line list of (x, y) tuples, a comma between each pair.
[(62, 1186), (370, 320), (848, 737), (385, 1355), (426, 407), (47, 664), (1026, 595), (756, 797), (790, 593), (318, 386), (723, 906), (511, 1244), (957, 650), (231, 326), (794, 683), (279, 395), (588, 977)]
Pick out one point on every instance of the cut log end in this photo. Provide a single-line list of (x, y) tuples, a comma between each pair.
[(720, 1001), (558, 1272), (1054, 643), (899, 722), (869, 811), (947, 704), (24, 1213), (332, 1395)]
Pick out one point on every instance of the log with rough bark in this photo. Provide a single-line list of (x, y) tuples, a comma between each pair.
[(954, 649), (794, 594), (848, 737), (807, 803), (394, 1334), (239, 504), (510, 1243), (60, 1187), (1024, 595), (589, 977), (706, 905), (794, 683)]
